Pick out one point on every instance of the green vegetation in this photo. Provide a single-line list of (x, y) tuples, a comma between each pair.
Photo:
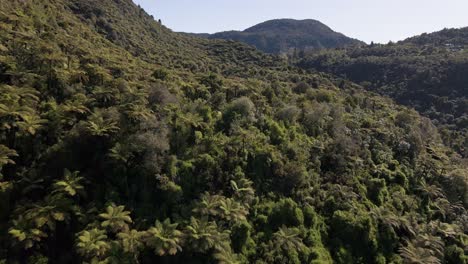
[(426, 72), (123, 142)]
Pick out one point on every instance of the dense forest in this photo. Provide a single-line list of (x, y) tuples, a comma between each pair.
[(426, 72), (124, 142)]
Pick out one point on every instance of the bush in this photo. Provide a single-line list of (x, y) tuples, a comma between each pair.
[(301, 88), (161, 74), (241, 108), (285, 212)]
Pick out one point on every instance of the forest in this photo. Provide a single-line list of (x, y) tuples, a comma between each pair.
[(426, 72), (124, 142)]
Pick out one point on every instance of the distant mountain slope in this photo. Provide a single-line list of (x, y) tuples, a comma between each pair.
[(445, 37), (287, 35), (427, 72)]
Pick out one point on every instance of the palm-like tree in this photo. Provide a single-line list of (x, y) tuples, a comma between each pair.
[(203, 235), (78, 75), (208, 205), (425, 249), (31, 123), (77, 105), (445, 230), (191, 119), (428, 194), (226, 256), (121, 153), (5, 155), (243, 190), (93, 244), (447, 210), (11, 113), (30, 183), (51, 57), (20, 95), (71, 184), (232, 211), (430, 191), (164, 238), (397, 223), (131, 241), (288, 239), (45, 215), (136, 112), (134, 105), (99, 126), (105, 95), (116, 218), (16, 107), (36, 221), (25, 233)]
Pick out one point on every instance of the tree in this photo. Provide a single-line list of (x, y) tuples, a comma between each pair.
[(93, 244), (5, 156), (105, 95), (212, 81), (77, 104), (25, 233), (70, 184), (288, 239), (131, 242), (285, 246), (17, 110), (203, 235), (31, 123), (100, 126), (116, 218), (301, 87), (399, 224), (241, 108), (232, 211), (160, 74), (243, 190), (164, 238), (430, 191), (208, 206), (226, 256), (424, 249)]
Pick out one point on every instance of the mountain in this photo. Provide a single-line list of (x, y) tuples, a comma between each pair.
[(124, 142), (426, 72), (286, 35)]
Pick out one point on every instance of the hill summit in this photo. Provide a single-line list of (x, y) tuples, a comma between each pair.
[(287, 35)]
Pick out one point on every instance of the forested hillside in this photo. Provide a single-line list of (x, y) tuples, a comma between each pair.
[(448, 37), (288, 36), (123, 142), (427, 72)]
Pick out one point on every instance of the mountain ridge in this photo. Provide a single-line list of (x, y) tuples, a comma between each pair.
[(287, 35)]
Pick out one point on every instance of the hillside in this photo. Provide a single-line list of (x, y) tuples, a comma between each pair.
[(426, 72), (288, 36), (124, 142), (449, 38)]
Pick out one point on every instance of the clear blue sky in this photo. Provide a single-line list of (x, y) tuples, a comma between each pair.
[(368, 20)]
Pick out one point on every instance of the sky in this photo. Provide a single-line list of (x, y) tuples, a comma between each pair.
[(380, 21)]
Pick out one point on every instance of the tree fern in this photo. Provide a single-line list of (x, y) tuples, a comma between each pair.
[(164, 238), (116, 218)]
